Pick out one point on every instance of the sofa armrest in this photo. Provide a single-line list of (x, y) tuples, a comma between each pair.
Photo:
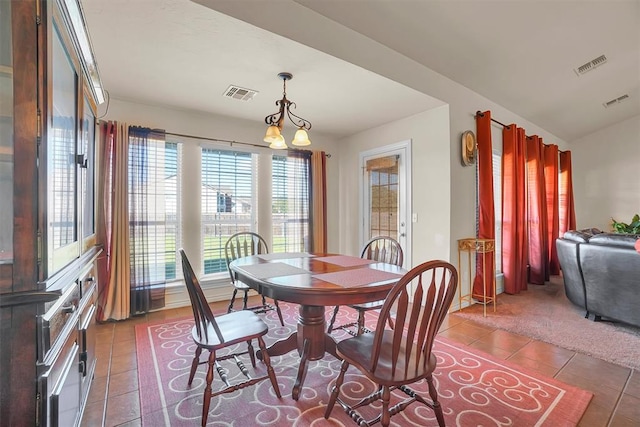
[(569, 258)]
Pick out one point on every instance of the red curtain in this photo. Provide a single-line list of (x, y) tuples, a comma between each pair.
[(487, 218), (514, 229), (550, 158), (567, 208), (537, 204), (537, 213)]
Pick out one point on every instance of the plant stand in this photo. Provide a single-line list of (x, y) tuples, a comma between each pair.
[(475, 246)]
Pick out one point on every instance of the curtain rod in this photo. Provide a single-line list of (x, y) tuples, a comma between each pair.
[(231, 142), (481, 114)]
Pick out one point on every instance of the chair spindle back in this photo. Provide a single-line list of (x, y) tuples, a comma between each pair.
[(383, 249), (242, 244), (202, 314), (416, 322)]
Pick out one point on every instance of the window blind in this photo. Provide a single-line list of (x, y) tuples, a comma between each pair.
[(62, 174), (154, 208), (290, 202), (228, 202)]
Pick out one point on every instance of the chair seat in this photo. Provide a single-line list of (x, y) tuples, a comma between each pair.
[(241, 286), (227, 330), (358, 351), (374, 305), (237, 326)]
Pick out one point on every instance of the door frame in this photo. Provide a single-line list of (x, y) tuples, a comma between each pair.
[(402, 149)]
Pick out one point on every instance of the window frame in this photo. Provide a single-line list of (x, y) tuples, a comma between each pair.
[(192, 239)]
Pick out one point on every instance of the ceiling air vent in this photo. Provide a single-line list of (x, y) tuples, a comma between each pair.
[(615, 101), (590, 65), (240, 93)]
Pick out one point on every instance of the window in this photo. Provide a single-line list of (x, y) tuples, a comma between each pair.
[(497, 205), (154, 207), (228, 197), (382, 179), (290, 203), (173, 223), (228, 200)]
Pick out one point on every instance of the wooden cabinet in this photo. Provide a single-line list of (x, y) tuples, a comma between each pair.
[(49, 92)]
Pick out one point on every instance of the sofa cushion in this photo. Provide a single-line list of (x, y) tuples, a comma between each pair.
[(615, 239), (578, 236)]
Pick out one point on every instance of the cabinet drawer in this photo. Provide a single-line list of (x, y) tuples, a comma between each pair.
[(64, 401), (60, 382), (87, 340), (57, 323), (87, 279)]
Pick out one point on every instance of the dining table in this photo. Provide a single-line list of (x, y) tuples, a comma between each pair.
[(314, 281)]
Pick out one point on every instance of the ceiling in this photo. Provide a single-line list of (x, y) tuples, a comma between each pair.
[(520, 54)]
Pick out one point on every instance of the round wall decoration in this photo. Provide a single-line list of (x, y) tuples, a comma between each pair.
[(469, 148)]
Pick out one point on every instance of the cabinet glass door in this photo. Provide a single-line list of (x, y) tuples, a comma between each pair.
[(87, 172), (6, 135), (61, 160)]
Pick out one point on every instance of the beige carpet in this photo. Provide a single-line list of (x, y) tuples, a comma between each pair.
[(543, 312)]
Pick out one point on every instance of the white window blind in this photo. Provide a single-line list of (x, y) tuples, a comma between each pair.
[(228, 200), (154, 208), (290, 203)]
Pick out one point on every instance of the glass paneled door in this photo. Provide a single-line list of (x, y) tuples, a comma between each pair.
[(385, 189)]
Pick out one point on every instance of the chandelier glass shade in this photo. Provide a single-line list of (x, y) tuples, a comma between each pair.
[(275, 121)]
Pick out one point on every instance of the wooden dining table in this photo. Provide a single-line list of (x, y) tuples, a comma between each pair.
[(314, 281)]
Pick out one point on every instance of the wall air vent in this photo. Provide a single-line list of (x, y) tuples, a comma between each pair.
[(615, 101), (590, 65), (240, 93)]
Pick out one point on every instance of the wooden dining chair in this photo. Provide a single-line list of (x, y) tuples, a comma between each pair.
[(213, 334), (242, 244), (395, 358), (382, 249)]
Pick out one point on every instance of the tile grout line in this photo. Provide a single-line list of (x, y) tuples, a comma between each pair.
[(617, 405), (108, 379)]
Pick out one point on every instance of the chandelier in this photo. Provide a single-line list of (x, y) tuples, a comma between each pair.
[(276, 120)]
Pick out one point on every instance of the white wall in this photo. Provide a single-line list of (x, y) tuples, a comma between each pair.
[(296, 22), (429, 135), (606, 175)]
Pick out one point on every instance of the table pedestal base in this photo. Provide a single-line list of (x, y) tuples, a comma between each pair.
[(311, 341)]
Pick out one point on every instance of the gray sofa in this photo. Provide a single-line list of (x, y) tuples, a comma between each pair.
[(601, 273)]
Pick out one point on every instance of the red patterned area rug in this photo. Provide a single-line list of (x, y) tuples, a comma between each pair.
[(475, 389)]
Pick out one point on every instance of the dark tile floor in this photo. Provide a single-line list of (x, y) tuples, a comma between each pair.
[(114, 399)]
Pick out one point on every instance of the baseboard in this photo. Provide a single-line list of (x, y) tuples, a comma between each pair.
[(455, 305), (177, 296)]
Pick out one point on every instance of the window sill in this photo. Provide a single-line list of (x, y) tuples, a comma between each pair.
[(210, 282)]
